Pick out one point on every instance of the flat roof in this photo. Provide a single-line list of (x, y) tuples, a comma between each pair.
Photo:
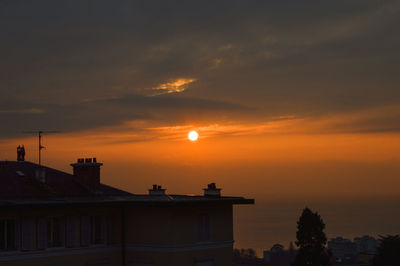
[(139, 200)]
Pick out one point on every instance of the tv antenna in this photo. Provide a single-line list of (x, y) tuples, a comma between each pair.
[(39, 133)]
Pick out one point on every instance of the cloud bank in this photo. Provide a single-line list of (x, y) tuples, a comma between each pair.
[(76, 65)]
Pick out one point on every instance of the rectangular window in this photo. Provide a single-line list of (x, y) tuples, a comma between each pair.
[(98, 230), (85, 231), (7, 235), (71, 230), (203, 228), (54, 232), (27, 234), (93, 230), (41, 233)]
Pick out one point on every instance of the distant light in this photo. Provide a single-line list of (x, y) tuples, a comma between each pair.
[(193, 135)]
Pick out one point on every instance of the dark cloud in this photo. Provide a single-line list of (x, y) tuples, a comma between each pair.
[(382, 121), (112, 111), (304, 58)]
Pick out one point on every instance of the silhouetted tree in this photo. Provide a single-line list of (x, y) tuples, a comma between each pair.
[(246, 257), (251, 253), (388, 252), (291, 247), (236, 253), (311, 240), (245, 253)]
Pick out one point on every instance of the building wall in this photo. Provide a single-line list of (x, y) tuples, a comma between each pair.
[(165, 236), (107, 253), (214, 256), (169, 235)]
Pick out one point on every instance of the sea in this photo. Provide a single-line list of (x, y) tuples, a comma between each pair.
[(268, 222)]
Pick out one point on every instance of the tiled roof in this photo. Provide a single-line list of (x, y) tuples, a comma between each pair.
[(20, 187), (18, 180)]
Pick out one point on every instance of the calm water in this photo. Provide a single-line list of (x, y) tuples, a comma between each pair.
[(268, 222)]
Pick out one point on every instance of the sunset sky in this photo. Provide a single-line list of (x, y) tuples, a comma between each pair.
[(290, 98)]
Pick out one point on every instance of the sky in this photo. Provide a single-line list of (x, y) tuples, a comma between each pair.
[(291, 99)]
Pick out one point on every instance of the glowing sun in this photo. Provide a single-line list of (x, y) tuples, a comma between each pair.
[(193, 135)]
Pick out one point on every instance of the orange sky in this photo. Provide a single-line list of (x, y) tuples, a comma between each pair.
[(300, 102), (288, 101), (255, 160)]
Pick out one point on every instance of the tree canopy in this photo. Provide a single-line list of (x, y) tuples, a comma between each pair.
[(311, 240), (388, 251)]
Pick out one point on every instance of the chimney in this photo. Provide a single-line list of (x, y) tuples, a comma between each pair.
[(156, 190), (212, 190), (20, 153), (87, 170)]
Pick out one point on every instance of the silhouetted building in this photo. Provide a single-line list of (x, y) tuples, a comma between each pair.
[(246, 257), (51, 218), (366, 244), (343, 250), (278, 256)]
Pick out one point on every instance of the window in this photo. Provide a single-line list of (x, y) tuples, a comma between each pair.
[(71, 231), (93, 230), (41, 233), (203, 228), (27, 234), (7, 235), (98, 226), (85, 230), (54, 232)]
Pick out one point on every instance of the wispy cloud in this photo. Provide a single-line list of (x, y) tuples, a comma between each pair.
[(175, 86), (23, 111)]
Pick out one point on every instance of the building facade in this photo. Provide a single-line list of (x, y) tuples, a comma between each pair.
[(366, 244), (343, 250), (52, 218)]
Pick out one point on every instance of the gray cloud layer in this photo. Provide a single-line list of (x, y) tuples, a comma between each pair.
[(112, 111), (307, 58)]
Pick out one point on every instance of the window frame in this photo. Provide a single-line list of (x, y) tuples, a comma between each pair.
[(50, 243), (203, 228), (97, 225), (6, 233)]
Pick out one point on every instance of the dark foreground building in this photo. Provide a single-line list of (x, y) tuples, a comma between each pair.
[(52, 218)]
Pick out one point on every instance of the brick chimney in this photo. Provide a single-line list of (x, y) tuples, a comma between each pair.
[(212, 190), (157, 190), (87, 171)]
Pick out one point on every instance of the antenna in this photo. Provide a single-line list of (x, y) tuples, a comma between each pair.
[(40, 132)]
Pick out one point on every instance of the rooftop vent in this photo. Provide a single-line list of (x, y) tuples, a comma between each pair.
[(157, 190), (212, 190)]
